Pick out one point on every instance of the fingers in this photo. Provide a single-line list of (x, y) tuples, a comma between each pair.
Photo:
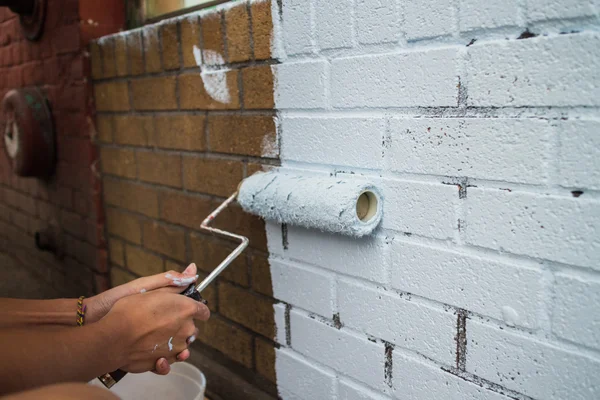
[(162, 366), (175, 281), (184, 355)]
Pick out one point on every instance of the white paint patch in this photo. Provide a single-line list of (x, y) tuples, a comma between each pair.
[(143, 291), (269, 147), (191, 339), (510, 316), (155, 347), (182, 281), (215, 82), (170, 344)]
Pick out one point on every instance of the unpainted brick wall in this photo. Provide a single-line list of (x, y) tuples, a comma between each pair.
[(174, 143), (479, 122), (58, 65)]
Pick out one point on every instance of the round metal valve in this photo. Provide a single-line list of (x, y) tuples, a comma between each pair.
[(28, 133)]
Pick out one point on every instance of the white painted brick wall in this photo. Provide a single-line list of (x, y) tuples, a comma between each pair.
[(297, 26), (428, 18), (303, 286), (542, 71), (487, 290), (347, 255), (502, 290), (579, 152), (557, 228), (425, 209), (576, 314), (300, 85), (523, 363), (352, 142), (477, 15), (514, 150), (538, 10), (378, 22), (416, 379), (339, 349), (417, 78), (390, 317), (316, 381), (334, 24)]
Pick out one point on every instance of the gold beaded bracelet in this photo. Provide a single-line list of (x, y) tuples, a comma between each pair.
[(80, 311)]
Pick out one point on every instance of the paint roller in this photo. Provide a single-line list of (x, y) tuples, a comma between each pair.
[(345, 206)]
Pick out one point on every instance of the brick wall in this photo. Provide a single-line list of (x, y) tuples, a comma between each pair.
[(71, 199), (184, 113), (479, 122)]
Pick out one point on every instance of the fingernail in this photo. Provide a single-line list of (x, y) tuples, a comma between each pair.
[(188, 270), (163, 363)]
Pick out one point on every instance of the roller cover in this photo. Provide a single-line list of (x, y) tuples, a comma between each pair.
[(325, 203)]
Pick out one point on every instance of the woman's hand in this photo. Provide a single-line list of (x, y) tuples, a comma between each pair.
[(154, 325), (174, 282)]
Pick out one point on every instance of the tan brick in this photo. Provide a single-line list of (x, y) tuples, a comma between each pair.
[(228, 339), (190, 37), (212, 176), (96, 60), (265, 359), (238, 33), (164, 169), (193, 95), (182, 132), (253, 311), (253, 168), (258, 87), (131, 196), (252, 135), (104, 128), (111, 96), (152, 49), (118, 162), (154, 93), (109, 66), (117, 252), (124, 225), (170, 46), (234, 219), (135, 52), (208, 252), (121, 55), (133, 130), (262, 28), (261, 274), (143, 263), (212, 36), (183, 209), (164, 240), (120, 277)]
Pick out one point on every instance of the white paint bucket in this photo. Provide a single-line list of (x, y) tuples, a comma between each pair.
[(184, 382)]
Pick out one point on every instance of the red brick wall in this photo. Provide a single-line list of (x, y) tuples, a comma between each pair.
[(58, 64)]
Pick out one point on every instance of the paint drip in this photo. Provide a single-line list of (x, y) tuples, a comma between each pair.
[(170, 344), (340, 205), (215, 82)]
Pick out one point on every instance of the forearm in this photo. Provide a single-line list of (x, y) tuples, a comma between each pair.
[(33, 358), (17, 313)]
